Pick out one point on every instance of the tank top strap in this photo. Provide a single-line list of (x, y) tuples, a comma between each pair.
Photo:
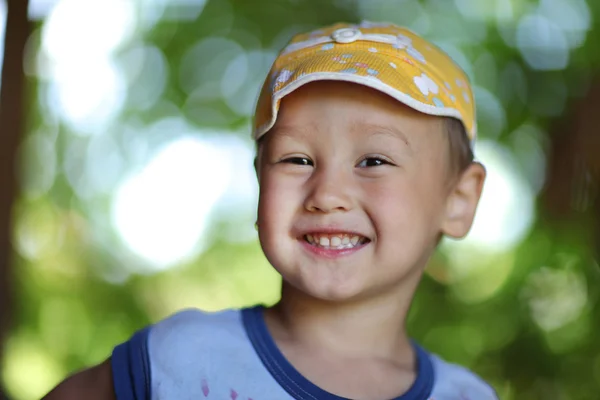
[(131, 368)]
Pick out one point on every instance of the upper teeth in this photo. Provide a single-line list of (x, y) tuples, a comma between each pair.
[(336, 241)]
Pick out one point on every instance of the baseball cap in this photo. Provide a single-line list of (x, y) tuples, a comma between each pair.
[(382, 56)]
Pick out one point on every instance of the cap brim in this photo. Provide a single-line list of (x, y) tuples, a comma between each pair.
[(308, 70)]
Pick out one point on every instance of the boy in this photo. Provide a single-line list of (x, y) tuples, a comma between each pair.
[(364, 162)]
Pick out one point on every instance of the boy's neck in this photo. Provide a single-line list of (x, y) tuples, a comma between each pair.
[(373, 327)]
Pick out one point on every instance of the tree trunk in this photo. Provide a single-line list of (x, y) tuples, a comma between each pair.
[(12, 125), (572, 191)]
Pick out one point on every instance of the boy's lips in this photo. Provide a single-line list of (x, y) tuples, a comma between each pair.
[(333, 242)]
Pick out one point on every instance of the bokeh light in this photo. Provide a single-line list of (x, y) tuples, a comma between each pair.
[(26, 357), (38, 162), (542, 43), (87, 89), (146, 70)]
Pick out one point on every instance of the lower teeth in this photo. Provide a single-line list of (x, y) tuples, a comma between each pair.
[(341, 247)]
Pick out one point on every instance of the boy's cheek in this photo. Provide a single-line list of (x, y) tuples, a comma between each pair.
[(274, 194), (391, 194)]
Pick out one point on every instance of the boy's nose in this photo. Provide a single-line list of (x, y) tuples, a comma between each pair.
[(329, 191)]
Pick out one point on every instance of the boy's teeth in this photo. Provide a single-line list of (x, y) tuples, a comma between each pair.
[(334, 241)]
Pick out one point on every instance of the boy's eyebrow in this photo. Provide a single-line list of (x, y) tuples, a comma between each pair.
[(376, 129), (293, 131)]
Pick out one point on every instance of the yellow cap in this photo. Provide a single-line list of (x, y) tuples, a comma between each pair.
[(383, 56)]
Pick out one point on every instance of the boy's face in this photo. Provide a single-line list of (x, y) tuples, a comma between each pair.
[(355, 191)]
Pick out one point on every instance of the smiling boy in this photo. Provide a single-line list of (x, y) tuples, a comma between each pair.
[(364, 162)]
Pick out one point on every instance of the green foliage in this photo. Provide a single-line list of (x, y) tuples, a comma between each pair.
[(523, 317)]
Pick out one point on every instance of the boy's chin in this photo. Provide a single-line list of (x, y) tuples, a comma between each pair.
[(330, 293)]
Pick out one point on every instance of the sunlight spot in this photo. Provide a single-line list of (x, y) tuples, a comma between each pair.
[(555, 296), (480, 276), (162, 212), (2, 33), (87, 94), (76, 29), (25, 358), (506, 209)]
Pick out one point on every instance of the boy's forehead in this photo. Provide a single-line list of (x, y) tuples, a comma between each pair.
[(335, 97), (323, 106), (368, 130)]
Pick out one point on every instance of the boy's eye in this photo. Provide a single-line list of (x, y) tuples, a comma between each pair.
[(298, 161), (372, 162)]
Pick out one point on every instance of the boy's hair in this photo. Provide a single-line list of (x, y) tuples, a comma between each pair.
[(461, 153)]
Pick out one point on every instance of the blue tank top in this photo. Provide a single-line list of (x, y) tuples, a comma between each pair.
[(230, 355)]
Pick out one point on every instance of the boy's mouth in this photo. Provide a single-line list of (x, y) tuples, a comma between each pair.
[(335, 241)]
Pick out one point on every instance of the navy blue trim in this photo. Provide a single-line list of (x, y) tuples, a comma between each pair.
[(301, 388), (131, 368)]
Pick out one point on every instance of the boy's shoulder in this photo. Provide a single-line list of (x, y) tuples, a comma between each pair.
[(195, 324), (193, 352), (191, 331), (453, 379), (164, 360)]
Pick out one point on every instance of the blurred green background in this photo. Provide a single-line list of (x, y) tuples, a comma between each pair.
[(137, 196)]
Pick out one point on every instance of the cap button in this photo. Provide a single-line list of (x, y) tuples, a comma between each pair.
[(346, 35)]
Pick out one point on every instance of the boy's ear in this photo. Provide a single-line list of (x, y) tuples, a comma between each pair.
[(462, 201)]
